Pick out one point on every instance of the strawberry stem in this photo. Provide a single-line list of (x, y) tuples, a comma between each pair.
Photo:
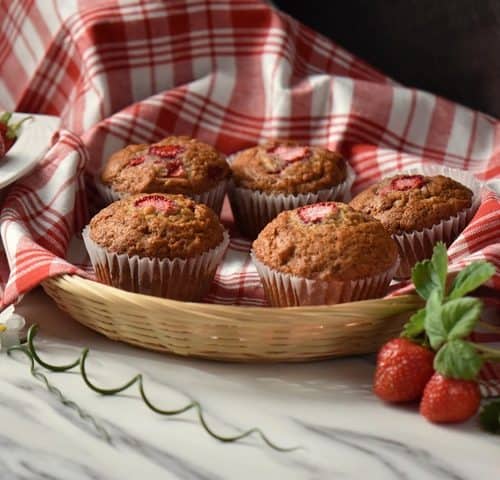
[(489, 353), (13, 129), (5, 117), (488, 326)]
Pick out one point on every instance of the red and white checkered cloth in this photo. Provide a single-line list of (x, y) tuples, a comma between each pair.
[(230, 72)]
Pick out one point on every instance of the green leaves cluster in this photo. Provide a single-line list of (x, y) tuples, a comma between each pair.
[(448, 316)]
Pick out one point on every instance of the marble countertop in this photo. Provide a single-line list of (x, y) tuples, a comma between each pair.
[(325, 407)]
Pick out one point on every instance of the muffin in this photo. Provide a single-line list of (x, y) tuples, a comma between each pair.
[(157, 244), (283, 175), (418, 211), (323, 254), (175, 165)]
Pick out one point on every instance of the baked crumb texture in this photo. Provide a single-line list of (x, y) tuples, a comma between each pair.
[(326, 241), (285, 166), (157, 226), (408, 203), (177, 164)]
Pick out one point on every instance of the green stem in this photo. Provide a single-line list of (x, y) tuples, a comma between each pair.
[(13, 129), (490, 353), (81, 361), (5, 117), (31, 347), (57, 393)]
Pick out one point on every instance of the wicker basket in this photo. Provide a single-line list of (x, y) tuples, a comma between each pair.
[(232, 333)]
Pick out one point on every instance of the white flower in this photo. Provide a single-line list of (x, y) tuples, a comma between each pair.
[(11, 324)]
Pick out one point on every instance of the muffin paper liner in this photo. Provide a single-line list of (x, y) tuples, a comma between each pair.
[(180, 279), (253, 209), (214, 197), (416, 246), (286, 290)]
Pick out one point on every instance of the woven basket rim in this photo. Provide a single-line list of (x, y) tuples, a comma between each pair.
[(112, 294)]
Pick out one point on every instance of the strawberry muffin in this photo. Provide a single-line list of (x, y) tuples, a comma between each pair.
[(157, 244), (175, 165), (282, 175), (418, 211), (323, 254)]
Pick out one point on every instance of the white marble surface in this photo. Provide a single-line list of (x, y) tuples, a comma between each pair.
[(325, 407)]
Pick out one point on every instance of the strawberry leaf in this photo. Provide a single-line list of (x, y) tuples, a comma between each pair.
[(470, 278), (415, 325), (429, 275), (460, 316), (433, 322), (439, 263), (489, 417), (458, 359), (421, 275)]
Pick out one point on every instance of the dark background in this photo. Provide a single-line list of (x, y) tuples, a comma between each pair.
[(449, 47)]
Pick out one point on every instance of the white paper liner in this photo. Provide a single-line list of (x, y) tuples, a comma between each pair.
[(416, 246), (253, 209), (285, 290), (180, 279), (214, 197)]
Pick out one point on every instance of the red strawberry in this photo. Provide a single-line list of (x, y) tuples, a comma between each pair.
[(316, 212), (284, 155), (403, 183), (448, 400), (158, 202), (136, 161), (289, 154), (8, 143), (174, 168), (9, 132), (165, 151), (3, 148), (403, 369)]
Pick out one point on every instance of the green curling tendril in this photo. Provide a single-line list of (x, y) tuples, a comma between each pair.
[(29, 350), (58, 394)]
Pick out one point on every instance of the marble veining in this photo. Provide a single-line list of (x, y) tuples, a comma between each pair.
[(325, 407), (391, 454)]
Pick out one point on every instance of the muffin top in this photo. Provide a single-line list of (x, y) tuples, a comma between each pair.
[(174, 165), (285, 166), (406, 203), (326, 241), (157, 225)]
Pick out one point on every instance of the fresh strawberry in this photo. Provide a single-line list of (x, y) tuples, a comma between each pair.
[(448, 400), (9, 132), (316, 212), (3, 148), (158, 202), (403, 183), (403, 369), (166, 151)]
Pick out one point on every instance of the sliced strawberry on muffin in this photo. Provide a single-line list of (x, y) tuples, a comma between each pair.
[(324, 253), (174, 165), (281, 175), (414, 209), (157, 244)]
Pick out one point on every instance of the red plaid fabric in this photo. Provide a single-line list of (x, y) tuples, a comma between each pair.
[(230, 72)]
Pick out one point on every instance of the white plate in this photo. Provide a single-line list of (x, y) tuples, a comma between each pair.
[(34, 140)]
